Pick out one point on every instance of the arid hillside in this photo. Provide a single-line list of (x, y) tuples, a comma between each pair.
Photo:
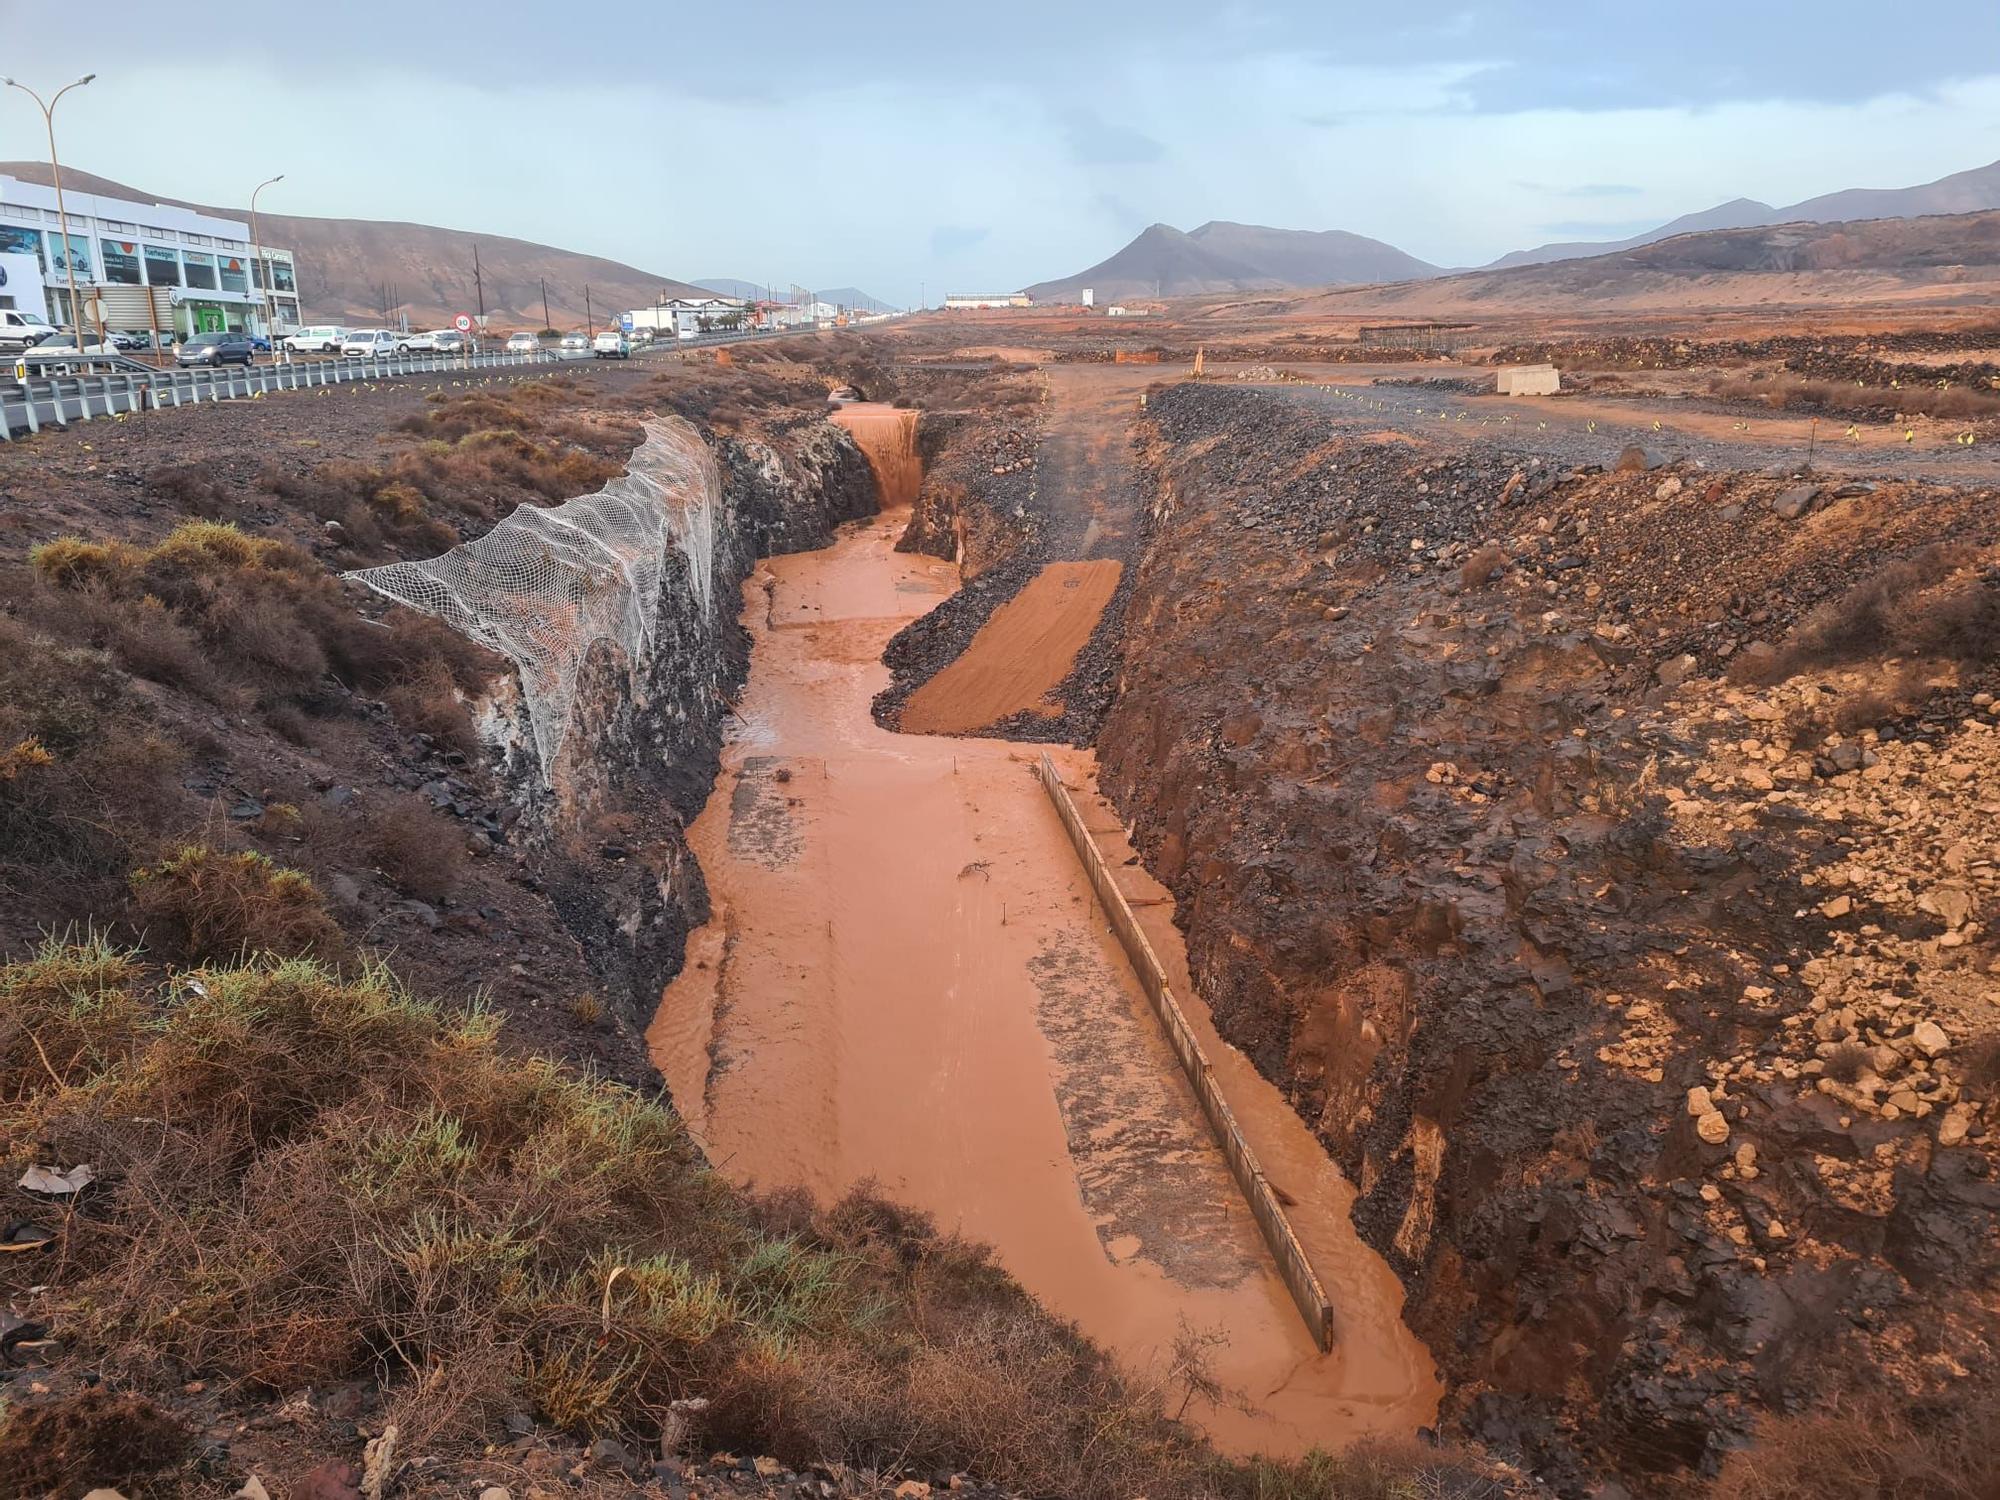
[(1943, 260)]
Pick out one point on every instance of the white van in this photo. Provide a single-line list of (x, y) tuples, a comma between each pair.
[(316, 341), (22, 330)]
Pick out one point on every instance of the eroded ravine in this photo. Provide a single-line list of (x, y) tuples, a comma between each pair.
[(906, 980)]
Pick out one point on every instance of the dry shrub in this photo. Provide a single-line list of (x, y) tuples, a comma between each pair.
[(1786, 392), (1873, 1448), (426, 699), (85, 777), (418, 850), (485, 468), (1483, 566), (211, 600), (1847, 1062), (189, 487), (306, 1180), (1943, 601), (66, 1014), (89, 1437), (201, 903)]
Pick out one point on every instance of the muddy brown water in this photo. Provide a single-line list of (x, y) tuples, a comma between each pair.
[(887, 436), (907, 979)]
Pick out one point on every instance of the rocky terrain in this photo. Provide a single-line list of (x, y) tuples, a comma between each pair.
[(1602, 862)]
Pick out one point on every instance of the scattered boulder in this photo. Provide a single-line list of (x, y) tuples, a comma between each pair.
[(1794, 501)]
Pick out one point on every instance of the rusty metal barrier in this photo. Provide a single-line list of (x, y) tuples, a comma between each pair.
[(1290, 1255)]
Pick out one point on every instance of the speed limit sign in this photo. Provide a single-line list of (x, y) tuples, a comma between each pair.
[(463, 322)]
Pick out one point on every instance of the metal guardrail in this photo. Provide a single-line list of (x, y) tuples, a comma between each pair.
[(58, 399), (1293, 1267)]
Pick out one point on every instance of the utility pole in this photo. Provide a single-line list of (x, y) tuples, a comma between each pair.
[(589, 322), (62, 213), (479, 285), (264, 303), (545, 303)]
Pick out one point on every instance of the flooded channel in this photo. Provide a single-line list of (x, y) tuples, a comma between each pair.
[(907, 979)]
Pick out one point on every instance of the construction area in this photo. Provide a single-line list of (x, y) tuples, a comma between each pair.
[(1167, 908)]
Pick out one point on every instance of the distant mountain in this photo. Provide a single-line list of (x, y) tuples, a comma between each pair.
[(1974, 191), (1311, 257), (344, 263), (1225, 257), (752, 291)]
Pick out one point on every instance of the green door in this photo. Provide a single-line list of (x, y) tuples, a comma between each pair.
[(208, 320)]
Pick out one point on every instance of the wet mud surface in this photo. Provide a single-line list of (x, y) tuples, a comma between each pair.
[(905, 980)]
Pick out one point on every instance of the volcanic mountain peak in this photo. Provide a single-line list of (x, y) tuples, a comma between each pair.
[(1222, 256)]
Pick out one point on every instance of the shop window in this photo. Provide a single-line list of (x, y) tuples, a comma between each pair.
[(234, 277), (79, 255), (121, 262), (163, 266), (24, 242), (281, 276), (200, 270)]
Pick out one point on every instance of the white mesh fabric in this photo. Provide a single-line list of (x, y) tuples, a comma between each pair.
[(548, 583)]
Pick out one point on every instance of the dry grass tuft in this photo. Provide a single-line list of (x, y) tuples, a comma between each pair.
[(419, 850), (1873, 1449), (201, 903)]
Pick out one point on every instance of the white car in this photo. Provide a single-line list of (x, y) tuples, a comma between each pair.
[(368, 343), (23, 330), (575, 345), (523, 343), (422, 343), (611, 344), (321, 340)]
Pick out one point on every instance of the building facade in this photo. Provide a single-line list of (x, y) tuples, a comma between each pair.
[(145, 265), (686, 317), (969, 300)]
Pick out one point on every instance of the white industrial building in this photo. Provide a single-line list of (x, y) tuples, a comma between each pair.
[(139, 265), (965, 301)]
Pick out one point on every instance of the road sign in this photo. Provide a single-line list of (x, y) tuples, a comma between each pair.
[(463, 322), (625, 321)]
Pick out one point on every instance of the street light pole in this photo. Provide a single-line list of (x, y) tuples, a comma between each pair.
[(264, 300), (55, 171)]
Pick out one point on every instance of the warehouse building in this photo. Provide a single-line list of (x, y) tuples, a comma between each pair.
[(141, 265), (964, 301)]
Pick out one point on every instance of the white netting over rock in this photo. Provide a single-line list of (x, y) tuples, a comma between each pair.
[(548, 583)]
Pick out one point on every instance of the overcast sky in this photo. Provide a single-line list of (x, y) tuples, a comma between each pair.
[(983, 147)]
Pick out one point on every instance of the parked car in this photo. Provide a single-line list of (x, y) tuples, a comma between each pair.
[(22, 330), (575, 345), (217, 349), (321, 340), (262, 342), (611, 344), (125, 343), (369, 343), (523, 343)]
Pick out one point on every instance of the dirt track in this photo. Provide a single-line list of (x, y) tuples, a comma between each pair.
[(1020, 656)]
